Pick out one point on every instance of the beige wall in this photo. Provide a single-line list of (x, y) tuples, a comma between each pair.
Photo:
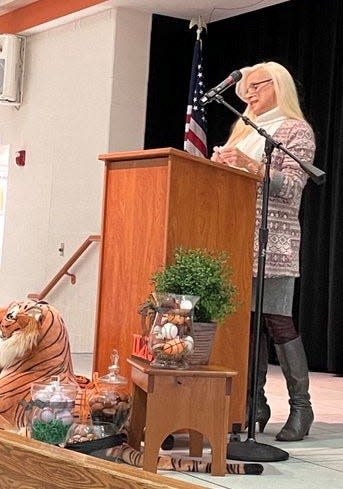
[(84, 93)]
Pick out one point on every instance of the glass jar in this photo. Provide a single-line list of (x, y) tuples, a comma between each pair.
[(52, 410), (111, 403), (93, 438), (171, 339)]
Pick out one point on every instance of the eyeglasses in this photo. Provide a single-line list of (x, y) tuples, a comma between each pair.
[(253, 87)]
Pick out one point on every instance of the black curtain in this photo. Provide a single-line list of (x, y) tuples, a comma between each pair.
[(307, 38)]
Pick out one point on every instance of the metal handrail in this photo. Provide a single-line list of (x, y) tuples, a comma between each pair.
[(65, 269)]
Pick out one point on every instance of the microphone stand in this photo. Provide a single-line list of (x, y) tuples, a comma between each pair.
[(250, 449)]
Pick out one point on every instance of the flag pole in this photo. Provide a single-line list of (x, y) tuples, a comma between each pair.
[(195, 138)]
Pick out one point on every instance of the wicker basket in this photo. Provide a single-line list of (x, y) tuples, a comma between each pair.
[(204, 334)]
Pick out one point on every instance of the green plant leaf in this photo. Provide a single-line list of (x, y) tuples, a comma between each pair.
[(205, 274)]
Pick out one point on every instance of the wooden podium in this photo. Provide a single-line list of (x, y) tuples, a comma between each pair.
[(154, 201)]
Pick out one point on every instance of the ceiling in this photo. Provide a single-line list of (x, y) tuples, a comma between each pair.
[(209, 10)]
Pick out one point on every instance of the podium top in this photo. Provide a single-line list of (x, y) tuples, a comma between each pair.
[(136, 155)]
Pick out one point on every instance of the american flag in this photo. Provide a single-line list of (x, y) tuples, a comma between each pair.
[(195, 131)]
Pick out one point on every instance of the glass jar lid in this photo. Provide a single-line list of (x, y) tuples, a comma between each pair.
[(113, 376)]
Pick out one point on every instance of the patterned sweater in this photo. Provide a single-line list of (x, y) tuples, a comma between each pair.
[(287, 182)]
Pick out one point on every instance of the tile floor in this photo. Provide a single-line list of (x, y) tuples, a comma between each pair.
[(314, 463)]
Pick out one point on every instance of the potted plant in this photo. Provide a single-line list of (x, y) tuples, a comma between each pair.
[(206, 274)]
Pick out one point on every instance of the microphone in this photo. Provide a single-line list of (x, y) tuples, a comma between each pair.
[(233, 78)]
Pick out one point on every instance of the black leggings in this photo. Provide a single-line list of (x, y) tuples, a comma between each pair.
[(279, 328)]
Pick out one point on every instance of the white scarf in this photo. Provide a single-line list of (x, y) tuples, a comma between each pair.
[(253, 144)]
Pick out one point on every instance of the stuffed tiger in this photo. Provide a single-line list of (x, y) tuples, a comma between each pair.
[(34, 346), (129, 455)]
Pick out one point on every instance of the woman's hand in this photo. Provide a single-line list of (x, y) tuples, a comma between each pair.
[(216, 155), (232, 156)]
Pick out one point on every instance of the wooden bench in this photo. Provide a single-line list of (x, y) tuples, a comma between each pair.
[(167, 400), (29, 464)]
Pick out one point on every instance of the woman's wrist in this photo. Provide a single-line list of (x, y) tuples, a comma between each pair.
[(256, 168)]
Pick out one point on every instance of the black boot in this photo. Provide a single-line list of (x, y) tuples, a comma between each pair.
[(262, 414), (293, 363), (262, 408)]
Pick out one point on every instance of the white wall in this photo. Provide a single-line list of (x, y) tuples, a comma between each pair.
[(84, 94)]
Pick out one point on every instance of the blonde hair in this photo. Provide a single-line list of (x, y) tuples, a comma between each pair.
[(286, 96)]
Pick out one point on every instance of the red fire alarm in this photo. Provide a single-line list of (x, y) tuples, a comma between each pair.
[(20, 157)]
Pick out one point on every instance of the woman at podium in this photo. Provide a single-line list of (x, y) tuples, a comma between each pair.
[(269, 91)]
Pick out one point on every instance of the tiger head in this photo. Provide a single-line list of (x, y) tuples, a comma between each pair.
[(19, 330)]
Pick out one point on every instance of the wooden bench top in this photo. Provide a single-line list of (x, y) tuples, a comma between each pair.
[(29, 464)]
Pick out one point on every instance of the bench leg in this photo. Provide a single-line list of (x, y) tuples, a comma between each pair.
[(138, 414), (196, 442)]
